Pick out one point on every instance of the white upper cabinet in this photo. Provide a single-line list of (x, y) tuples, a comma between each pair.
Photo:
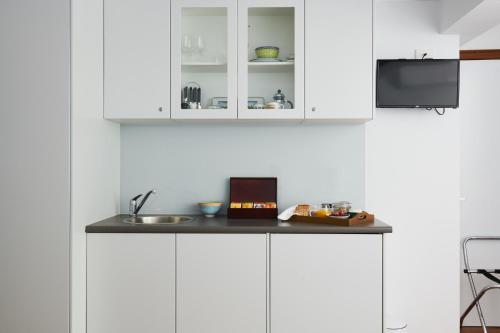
[(204, 59), (339, 61), (136, 59), (238, 59), (271, 59)]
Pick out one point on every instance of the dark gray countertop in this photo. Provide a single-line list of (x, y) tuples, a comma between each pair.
[(223, 225)]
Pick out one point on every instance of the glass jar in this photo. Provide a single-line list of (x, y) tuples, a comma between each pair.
[(320, 211), (341, 208)]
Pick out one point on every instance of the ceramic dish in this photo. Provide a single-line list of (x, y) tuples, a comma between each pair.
[(219, 102), (340, 217), (209, 209), (267, 52), (266, 60)]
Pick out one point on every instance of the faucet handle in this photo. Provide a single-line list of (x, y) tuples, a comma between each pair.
[(136, 197), (134, 207)]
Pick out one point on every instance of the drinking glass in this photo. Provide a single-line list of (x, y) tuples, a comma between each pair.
[(187, 46)]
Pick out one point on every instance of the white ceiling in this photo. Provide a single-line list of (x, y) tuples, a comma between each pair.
[(472, 19), (478, 26), (488, 40)]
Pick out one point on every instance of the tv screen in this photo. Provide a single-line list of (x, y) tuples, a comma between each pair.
[(427, 83)]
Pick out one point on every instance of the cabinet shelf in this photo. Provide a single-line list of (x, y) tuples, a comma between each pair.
[(204, 67), (270, 67), (271, 64)]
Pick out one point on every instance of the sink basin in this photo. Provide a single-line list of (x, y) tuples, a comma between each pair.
[(158, 219)]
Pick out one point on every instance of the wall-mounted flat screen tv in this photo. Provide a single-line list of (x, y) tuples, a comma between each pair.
[(426, 83)]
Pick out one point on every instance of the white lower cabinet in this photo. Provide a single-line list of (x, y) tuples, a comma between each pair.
[(326, 283), (130, 283), (221, 283), (227, 283)]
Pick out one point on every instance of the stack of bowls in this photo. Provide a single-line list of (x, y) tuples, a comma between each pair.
[(267, 52)]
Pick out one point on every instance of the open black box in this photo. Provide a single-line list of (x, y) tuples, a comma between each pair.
[(259, 189)]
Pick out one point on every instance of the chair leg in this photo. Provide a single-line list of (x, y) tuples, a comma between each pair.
[(478, 306), (475, 303)]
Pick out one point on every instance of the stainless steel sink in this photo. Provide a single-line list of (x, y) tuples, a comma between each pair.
[(158, 219)]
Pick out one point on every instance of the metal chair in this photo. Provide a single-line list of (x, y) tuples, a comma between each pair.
[(488, 273)]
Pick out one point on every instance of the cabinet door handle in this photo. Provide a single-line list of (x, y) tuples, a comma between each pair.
[(313, 109)]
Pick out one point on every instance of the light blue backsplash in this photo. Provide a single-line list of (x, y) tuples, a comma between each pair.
[(189, 163)]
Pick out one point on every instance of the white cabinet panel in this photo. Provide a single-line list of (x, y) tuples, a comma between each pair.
[(278, 23), (136, 59), (221, 283), (326, 283), (130, 283), (339, 59), (204, 54)]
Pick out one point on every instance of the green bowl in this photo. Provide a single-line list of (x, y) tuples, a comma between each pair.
[(267, 52)]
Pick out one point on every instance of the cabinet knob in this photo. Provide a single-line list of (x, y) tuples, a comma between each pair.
[(313, 109), (160, 109)]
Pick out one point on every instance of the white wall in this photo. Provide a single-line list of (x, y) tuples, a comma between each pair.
[(480, 177), (412, 172), (34, 165), (412, 160), (95, 146), (192, 163)]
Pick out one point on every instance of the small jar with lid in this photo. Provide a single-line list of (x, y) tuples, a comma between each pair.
[(320, 211), (341, 208)]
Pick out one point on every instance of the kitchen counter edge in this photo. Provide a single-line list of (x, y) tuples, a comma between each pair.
[(223, 225)]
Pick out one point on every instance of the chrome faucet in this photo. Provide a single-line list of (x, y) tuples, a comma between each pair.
[(133, 208)]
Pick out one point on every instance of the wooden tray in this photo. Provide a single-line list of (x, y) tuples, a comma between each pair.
[(354, 219)]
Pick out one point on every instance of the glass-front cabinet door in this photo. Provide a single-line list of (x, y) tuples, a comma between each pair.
[(204, 59), (271, 59)]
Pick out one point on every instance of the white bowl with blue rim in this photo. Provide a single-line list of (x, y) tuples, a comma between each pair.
[(210, 208)]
